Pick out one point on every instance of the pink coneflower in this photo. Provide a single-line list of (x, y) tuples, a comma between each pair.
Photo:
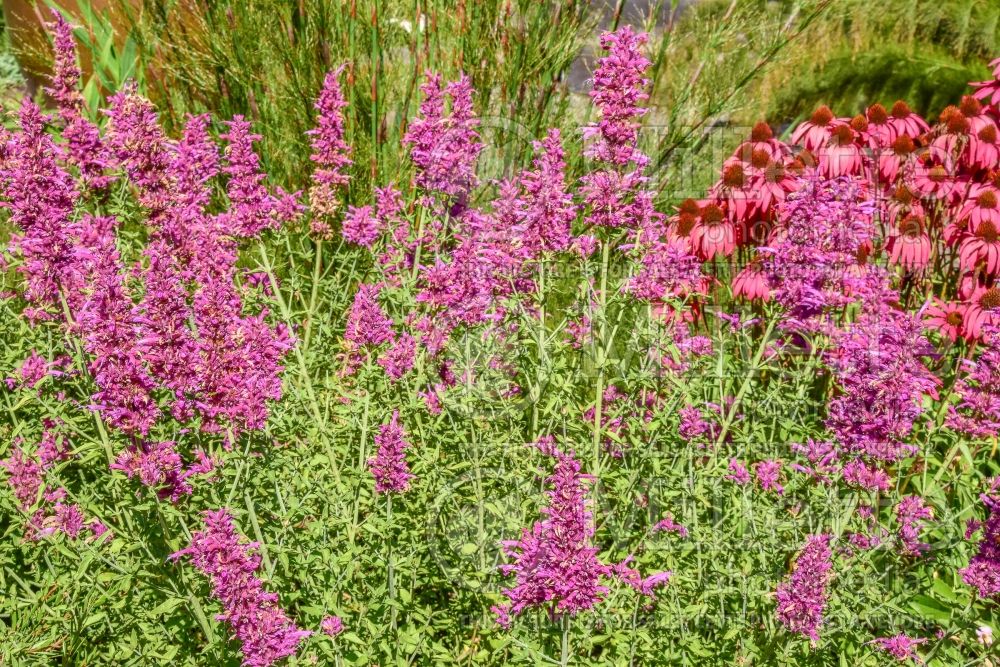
[(982, 309), (901, 647), (814, 133), (979, 206), (901, 202), (752, 284), (983, 149), (910, 247), (840, 156), (878, 132), (989, 90), (801, 597), (904, 121), (388, 466), (714, 234), (892, 160), (762, 139), (954, 127), (934, 178), (946, 317)]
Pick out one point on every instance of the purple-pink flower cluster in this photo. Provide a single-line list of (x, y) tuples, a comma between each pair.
[(265, 632), (801, 598)]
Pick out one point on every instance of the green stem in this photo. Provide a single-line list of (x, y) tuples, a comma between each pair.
[(601, 354), (314, 296), (564, 656), (754, 367)]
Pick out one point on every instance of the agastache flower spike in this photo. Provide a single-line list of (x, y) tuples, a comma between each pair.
[(265, 632), (444, 147), (802, 596), (252, 209), (388, 466), (84, 148), (555, 562), (619, 87), (40, 197), (331, 154)]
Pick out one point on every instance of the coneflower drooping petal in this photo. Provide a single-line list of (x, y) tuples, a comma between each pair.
[(801, 598), (388, 466), (265, 632), (331, 154)]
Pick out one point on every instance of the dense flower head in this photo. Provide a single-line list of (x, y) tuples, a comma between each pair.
[(801, 598), (361, 226), (548, 210), (331, 154), (555, 562), (877, 361), (398, 359), (239, 368), (444, 145), (619, 86), (158, 465), (367, 323), (768, 474), (40, 197), (332, 625), (83, 148), (252, 209), (103, 314), (820, 228), (911, 513), (901, 647), (983, 571), (388, 466), (978, 389), (140, 147), (265, 632)]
